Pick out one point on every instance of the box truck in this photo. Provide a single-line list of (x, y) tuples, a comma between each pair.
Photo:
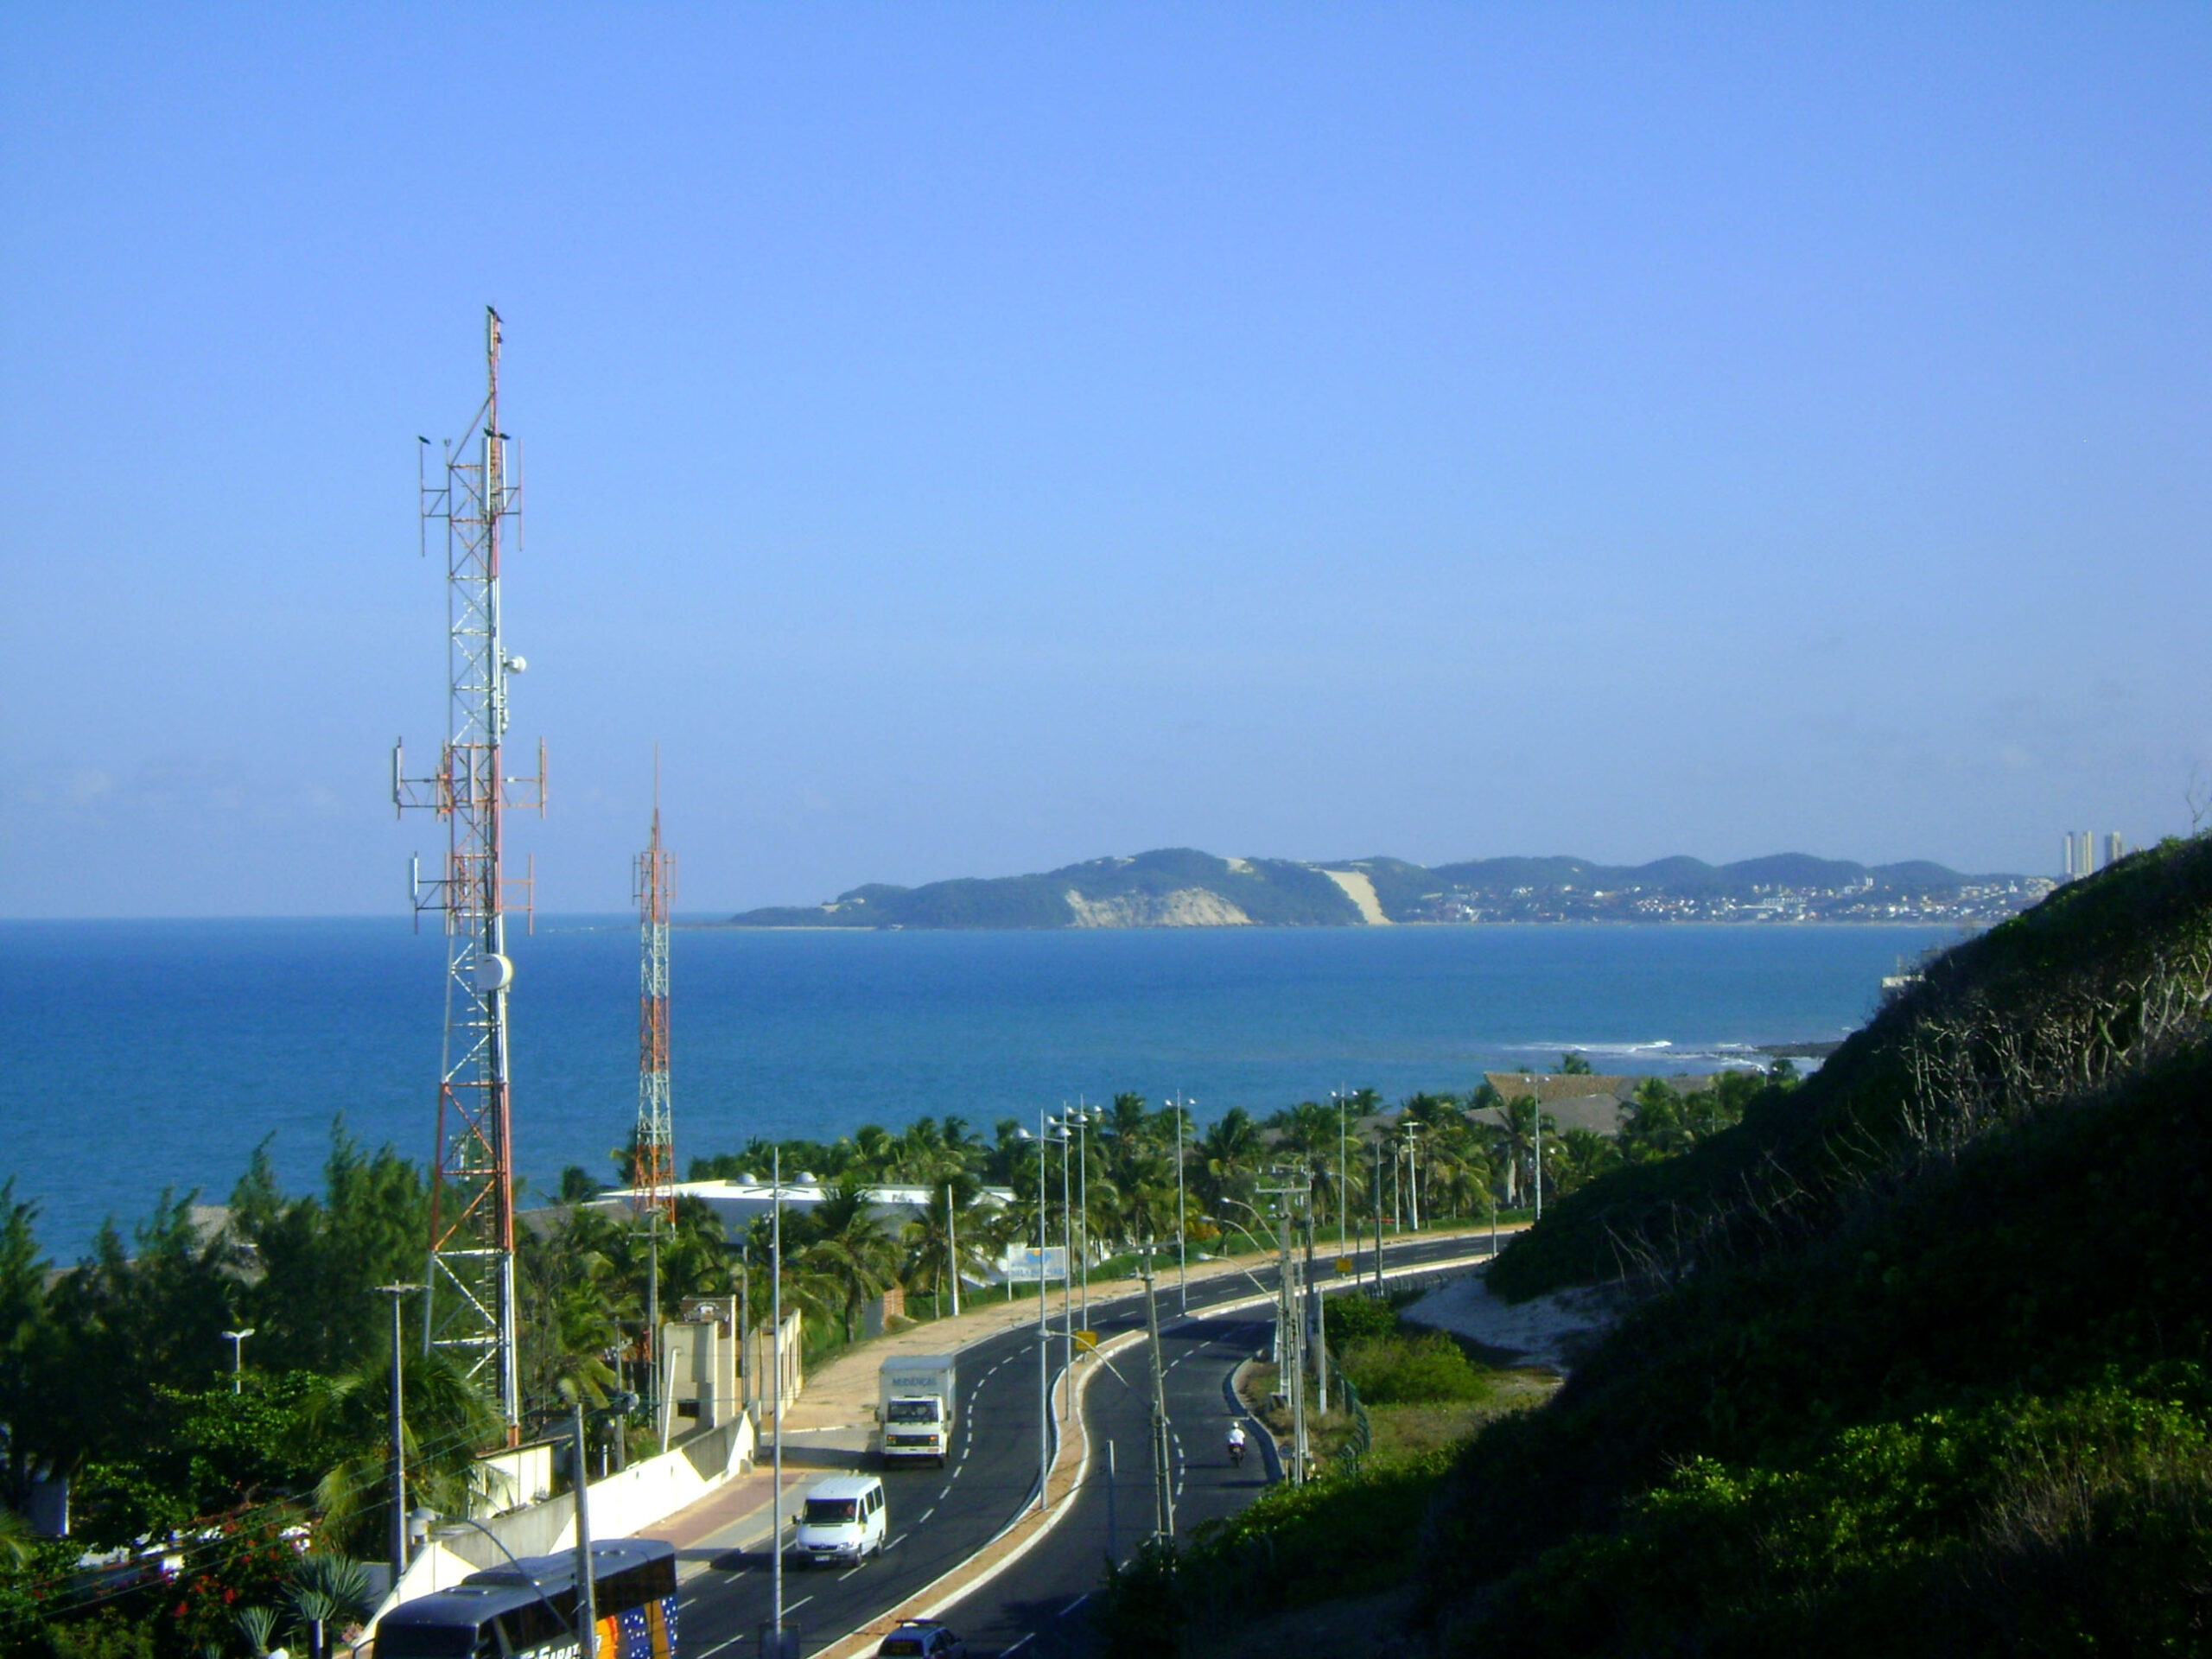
[(916, 1408)]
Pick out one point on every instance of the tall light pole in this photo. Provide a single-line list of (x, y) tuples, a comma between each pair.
[(952, 1248), (236, 1339), (1084, 1116), (1044, 1331), (393, 1293), (1537, 1113), (1344, 1175), (776, 1385), (1182, 1226), (1059, 1127), (1412, 1128)]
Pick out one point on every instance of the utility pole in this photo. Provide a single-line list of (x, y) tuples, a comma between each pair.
[(469, 1305), (1311, 1314), (1163, 1468), (393, 1292), (586, 1590), (1290, 1316)]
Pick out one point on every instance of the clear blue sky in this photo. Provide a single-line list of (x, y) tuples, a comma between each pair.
[(970, 438)]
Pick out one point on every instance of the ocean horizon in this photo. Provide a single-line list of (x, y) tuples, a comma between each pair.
[(141, 1055)]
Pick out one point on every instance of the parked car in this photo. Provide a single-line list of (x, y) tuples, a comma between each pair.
[(922, 1638), (843, 1520)]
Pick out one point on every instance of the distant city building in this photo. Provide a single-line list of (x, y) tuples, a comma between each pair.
[(2082, 852)]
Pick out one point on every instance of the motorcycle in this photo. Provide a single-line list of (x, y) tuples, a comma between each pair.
[(1236, 1451)]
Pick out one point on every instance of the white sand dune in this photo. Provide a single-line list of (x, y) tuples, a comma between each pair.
[(1360, 890)]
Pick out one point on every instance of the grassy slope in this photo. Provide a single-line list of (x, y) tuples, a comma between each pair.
[(1948, 1404)]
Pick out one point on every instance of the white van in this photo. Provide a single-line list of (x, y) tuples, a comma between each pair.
[(844, 1520)]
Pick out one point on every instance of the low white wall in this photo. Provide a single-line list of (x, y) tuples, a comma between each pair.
[(621, 1505)]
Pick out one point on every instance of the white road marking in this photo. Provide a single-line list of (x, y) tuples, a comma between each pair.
[(1077, 1603), (1024, 1642), (925, 1514), (944, 1491)]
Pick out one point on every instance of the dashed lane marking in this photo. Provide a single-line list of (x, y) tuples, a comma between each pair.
[(925, 1514), (1004, 1652), (1077, 1603)]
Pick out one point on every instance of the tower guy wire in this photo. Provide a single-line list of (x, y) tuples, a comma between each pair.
[(469, 1305)]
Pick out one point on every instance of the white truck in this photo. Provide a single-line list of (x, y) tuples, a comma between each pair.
[(916, 1408)]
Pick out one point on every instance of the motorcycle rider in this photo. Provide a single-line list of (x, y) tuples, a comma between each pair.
[(1237, 1443)]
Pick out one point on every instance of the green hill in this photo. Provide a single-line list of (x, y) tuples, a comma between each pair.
[(1178, 886), (1915, 1360), (1920, 1364)]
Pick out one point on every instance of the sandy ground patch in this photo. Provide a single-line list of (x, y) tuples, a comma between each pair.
[(1548, 1331)]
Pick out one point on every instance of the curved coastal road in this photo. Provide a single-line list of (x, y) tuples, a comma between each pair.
[(940, 1518)]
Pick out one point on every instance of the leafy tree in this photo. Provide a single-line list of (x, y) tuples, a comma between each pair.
[(27, 1371), (1572, 1064), (319, 1257)]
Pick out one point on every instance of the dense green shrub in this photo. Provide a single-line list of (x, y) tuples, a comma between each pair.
[(1352, 1318), (1405, 1369)]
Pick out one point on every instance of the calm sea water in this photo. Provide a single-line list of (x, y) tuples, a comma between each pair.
[(136, 1055)]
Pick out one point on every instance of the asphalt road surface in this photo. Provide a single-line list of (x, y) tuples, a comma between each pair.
[(938, 1518)]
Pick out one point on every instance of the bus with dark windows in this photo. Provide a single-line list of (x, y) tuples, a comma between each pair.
[(527, 1609)]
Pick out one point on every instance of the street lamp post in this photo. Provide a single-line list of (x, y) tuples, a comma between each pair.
[(393, 1293), (1182, 1226), (776, 1386), (1059, 1127), (1343, 1176), (236, 1339)]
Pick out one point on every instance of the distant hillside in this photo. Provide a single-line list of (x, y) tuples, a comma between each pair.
[(1182, 887)]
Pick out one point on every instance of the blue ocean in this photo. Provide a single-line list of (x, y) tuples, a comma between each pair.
[(140, 1055)]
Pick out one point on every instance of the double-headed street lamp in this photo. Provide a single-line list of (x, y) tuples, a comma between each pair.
[(236, 1339)]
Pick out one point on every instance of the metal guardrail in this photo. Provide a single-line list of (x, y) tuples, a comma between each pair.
[(1362, 1438)]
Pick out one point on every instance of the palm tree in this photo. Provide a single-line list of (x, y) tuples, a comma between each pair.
[(931, 1256), (851, 1251), (1227, 1157), (446, 1423)]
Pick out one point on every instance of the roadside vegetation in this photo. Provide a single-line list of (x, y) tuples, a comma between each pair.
[(116, 1373), (1918, 1361)]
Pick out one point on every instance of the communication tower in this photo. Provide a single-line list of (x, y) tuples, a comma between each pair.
[(652, 1156), (469, 1308)]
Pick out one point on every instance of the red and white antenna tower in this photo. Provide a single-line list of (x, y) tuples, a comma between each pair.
[(652, 1156), (469, 1309)]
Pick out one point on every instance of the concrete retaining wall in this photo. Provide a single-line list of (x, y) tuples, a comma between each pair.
[(621, 1505)]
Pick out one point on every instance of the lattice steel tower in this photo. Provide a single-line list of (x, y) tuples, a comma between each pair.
[(470, 1309), (653, 1153)]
